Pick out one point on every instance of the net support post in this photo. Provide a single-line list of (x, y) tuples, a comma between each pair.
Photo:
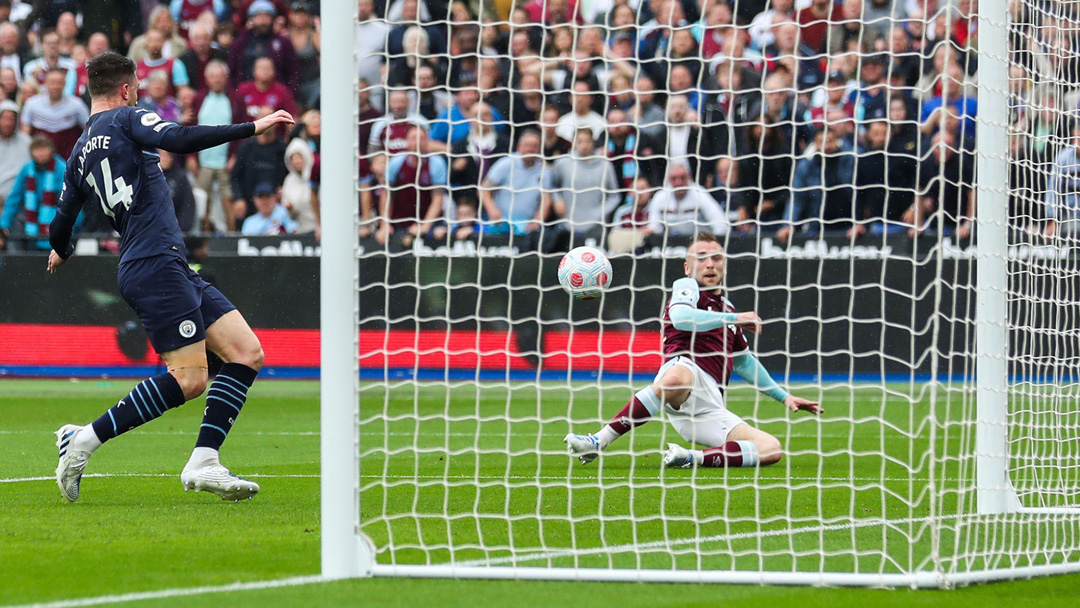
[(994, 492), (345, 552)]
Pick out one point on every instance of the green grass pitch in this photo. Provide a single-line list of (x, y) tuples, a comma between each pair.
[(135, 530)]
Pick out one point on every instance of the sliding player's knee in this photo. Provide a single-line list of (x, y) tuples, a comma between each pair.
[(769, 450), (672, 390)]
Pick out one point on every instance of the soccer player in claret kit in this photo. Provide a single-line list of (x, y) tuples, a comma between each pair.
[(115, 165), (703, 344)]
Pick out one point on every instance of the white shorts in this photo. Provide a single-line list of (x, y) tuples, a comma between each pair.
[(703, 420)]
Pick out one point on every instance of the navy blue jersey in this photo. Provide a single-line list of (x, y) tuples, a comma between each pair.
[(115, 164)]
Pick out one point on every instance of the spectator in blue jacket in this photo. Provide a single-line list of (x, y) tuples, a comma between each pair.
[(34, 193)]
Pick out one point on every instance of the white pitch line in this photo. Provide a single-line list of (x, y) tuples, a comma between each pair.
[(697, 540), (462, 434), (168, 593), (53, 478)]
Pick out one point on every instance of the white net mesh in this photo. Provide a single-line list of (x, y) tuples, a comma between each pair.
[(832, 149)]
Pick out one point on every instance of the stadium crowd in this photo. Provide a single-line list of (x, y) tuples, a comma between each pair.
[(559, 122)]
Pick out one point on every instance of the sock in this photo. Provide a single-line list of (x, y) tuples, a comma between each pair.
[(223, 403), (732, 454), (642, 407), (148, 400)]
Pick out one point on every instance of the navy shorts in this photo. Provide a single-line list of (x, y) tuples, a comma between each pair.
[(173, 302)]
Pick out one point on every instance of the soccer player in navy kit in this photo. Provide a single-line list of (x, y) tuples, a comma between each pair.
[(115, 165), (703, 344)]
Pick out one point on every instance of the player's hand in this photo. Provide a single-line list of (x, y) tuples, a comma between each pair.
[(748, 321), (55, 261), (281, 117), (798, 403)]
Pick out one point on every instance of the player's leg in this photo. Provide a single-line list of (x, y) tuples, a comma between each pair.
[(726, 446), (157, 289), (672, 386), (228, 336)]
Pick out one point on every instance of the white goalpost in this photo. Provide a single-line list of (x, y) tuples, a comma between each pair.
[(948, 364)]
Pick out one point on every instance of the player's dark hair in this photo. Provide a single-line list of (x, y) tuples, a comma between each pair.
[(107, 72)]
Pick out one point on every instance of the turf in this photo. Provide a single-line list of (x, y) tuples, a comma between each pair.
[(137, 530)]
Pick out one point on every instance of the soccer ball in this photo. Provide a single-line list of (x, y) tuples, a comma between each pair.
[(585, 272)]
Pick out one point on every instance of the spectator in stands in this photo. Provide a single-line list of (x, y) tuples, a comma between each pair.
[(715, 29), (67, 33), (9, 86), (371, 187), (416, 182), (526, 106), (183, 197), (582, 115), (402, 69), (513, 195), (630, 222), (800, 58), (186, 12), (682, 142), (14, 146), (270, 218), (834, 97), (946, 183), (258, 159), (411, 17), (821, 190), (814, 23), (584, 194), (851, 31), (34, 193), (157, 98), (685, 58), (472, 158), (388, 132), (51, 59), (766, 169), (452, 125), (682, 82), (371, 32), (905, 60), (628, 153), (553, 145), (153, 60), (953, 96), (117, 21), (1063, 189), (730, 194), (871, 180), (97, 44), (683, 208), (428, 99), (161, 20), (553, 12), (305, 33), (779, 108), (14, 52), (261, 92), (57, 116), (872, 97), (297, 195), (259, 40), (201, 53), (464, 225), (883, 14), (212, 106)]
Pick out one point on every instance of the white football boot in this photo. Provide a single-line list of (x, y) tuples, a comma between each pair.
[(678, 456), (216, 479), (585, 447), (69, 470)]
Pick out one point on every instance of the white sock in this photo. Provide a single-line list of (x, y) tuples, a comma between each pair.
[(201, 457), (605, 436), (86, 440), (699, 457)]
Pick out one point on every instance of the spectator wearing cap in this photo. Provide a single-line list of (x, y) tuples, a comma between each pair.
[(305, 33), (186, 12), (14, 146), (270, 218), (452, 125), (201, 53), (261, 92), (259, 40), (240, 11), (258, 159), (161, 20)]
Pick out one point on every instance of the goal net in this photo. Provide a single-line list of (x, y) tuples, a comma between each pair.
[(893, 184)]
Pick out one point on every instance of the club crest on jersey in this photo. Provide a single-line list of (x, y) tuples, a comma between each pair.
[(150, 119), (187, 328)]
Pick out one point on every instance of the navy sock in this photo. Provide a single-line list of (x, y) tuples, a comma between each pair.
[(223, 403), (148, 400)]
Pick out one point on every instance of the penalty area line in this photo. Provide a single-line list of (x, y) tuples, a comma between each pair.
[(295, 581)]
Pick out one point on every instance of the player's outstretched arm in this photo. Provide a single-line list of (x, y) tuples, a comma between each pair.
[(148, 129), (750, 369), (686, 316)]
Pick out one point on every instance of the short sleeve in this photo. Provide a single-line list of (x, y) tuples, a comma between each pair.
[(686, 292), (500, 171)]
